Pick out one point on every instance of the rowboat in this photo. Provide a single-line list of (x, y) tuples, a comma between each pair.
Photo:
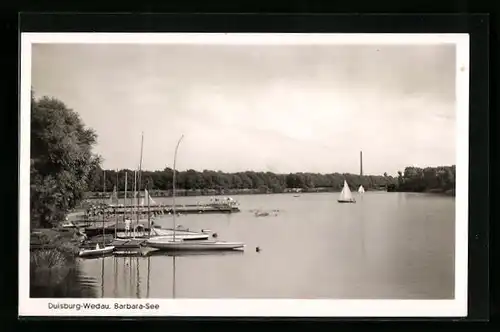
[(98, 251)]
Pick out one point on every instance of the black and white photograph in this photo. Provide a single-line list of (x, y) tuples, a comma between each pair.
[(244, 174)]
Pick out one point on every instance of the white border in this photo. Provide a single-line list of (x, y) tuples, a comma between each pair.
[(271, 307)]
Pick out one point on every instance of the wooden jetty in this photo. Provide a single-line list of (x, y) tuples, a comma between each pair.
[(97, 227), (165, 209), (141, 229)]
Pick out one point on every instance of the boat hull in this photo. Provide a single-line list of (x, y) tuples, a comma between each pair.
[(185, 237), (343, 201), (96, 252), (124, 252), (189, 245)]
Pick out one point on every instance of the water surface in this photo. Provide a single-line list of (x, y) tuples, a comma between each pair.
[(386, 246)]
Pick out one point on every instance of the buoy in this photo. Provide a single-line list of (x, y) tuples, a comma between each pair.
[(214, 234), (257, 249)]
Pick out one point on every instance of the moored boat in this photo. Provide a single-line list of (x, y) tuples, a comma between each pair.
[(173, 242), (346, 195), (177, 244), (160, 232), (184, 237), (135, 252), (97, 251), (361, 190)]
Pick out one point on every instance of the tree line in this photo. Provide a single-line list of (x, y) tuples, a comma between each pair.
[(430, 179), (209, 180)]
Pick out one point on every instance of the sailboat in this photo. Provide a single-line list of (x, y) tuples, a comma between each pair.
[(148, 197), (174, 242), (98, 250), (113, 199), (361, 190), (346, 195)]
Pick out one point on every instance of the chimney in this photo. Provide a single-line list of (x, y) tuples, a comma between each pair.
[(361, 163)]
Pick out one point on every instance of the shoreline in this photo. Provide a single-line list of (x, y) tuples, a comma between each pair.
[(167, 193), (229, 192), (53, 259), (438, 192)]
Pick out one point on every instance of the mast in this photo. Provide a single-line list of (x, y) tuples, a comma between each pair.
[(139, 175), (116, 186), (116, 213), (173, 180), (149, 212), (135, 203), (173, 202), (103, 209), (125, 198)]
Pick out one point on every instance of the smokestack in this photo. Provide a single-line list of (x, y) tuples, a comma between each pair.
[(361, 163)]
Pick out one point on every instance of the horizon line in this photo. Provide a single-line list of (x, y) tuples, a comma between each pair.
[(262, 171)]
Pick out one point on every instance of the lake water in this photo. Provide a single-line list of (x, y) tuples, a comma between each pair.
[(386, 246)]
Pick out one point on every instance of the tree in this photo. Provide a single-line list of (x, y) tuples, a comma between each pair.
[(61, 160), (209, 181), (429, 179)]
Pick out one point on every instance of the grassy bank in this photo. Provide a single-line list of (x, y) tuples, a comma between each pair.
[(53, 266)]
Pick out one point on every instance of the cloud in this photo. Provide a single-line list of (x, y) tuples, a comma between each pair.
[(286, 108)]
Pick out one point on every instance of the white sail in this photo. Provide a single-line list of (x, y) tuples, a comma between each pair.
[(146, 194), (345, 194), (361, 189), (113, 199)]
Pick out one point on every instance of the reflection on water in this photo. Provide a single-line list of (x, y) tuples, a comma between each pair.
[(386, 246), (196, 253), (71, 282), (130, 277)]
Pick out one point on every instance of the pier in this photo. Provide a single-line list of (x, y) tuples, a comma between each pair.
[(166, 209), (140, 229)]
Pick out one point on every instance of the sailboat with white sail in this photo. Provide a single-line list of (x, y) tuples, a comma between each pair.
[(361, 190), (113, 199), (148, 197), (346, 194), (175, 243), (98, 250)]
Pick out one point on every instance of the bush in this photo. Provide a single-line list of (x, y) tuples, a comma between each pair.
[(49, 266)]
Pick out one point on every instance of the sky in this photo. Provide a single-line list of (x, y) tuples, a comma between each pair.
[(277, 108)]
